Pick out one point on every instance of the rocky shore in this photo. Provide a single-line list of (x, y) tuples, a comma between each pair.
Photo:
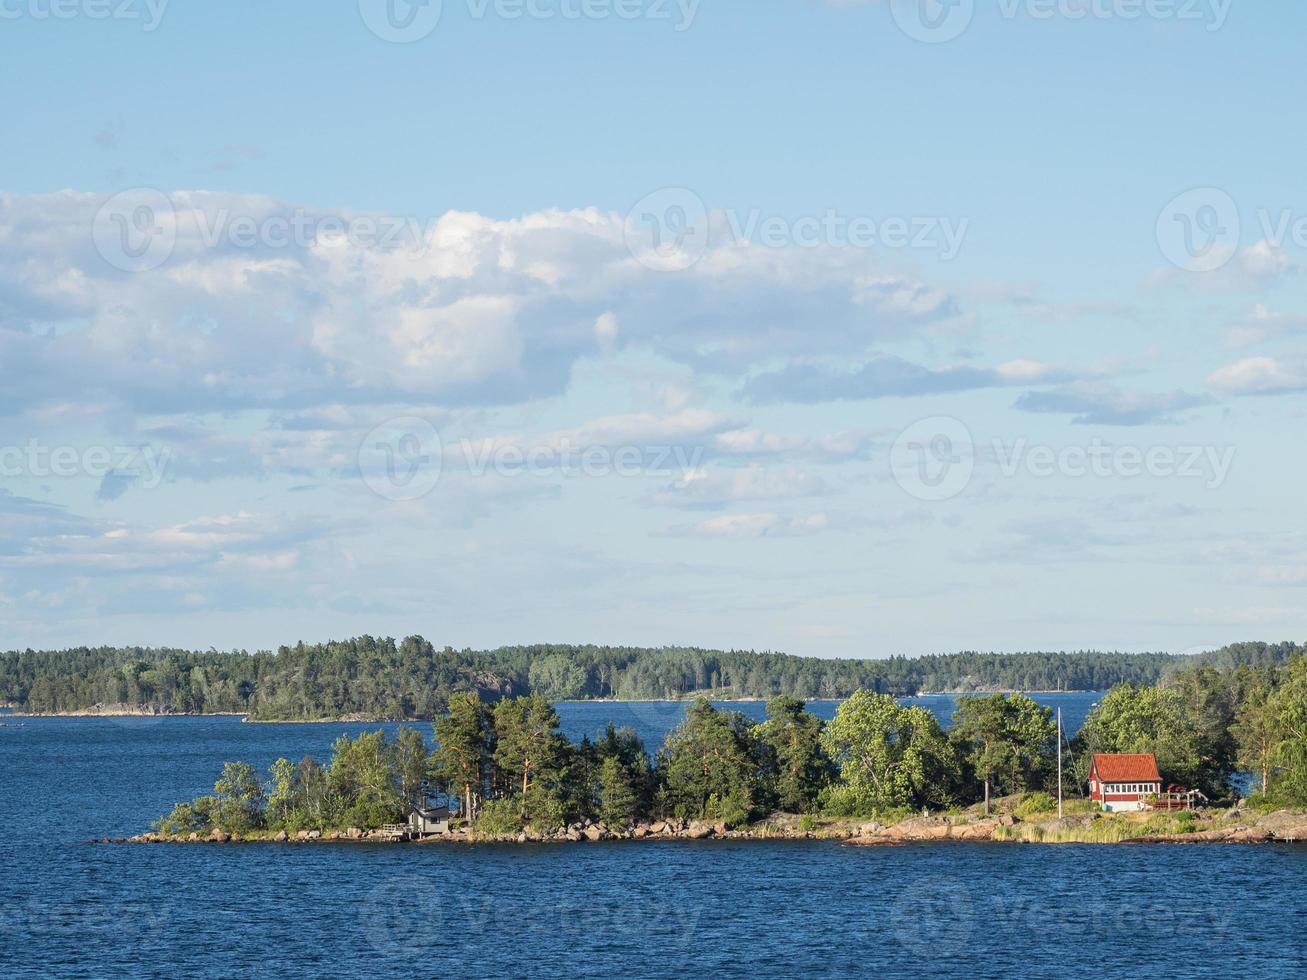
[(1213, 827), (576, 833)]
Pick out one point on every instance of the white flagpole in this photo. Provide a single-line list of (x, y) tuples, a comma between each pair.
[(1059, 762)]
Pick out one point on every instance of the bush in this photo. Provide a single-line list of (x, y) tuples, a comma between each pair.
[(1038, 802), (499, 818), (184, 819), (544, 810), (369, 815), (807, 823), (842, 801), (731, 808)]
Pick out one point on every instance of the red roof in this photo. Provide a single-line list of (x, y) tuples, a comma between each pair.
[(1127, 768)]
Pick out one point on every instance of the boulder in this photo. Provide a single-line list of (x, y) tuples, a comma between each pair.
[(697, 831), (520, 838), (219, 837), (575, 836), (719, 829), (314, 835), (593, 833), (639, 832), (353, 833), (1250, 835), (192, 836), (658, 827), (976, 831), (301, 835)]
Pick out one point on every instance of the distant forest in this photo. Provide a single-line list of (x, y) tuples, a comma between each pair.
[(381, 679)]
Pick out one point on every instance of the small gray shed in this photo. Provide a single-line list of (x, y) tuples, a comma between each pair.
[(426, 821)]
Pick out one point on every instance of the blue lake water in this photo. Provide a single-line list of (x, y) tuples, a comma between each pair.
[(68, 908)]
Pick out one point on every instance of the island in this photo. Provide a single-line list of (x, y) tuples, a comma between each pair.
[(1205, 755)]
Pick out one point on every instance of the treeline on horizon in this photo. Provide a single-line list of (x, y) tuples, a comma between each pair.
[(382, 679), (507, 768)]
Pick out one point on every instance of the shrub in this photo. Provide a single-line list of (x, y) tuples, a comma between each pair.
[(498, 818), (184, 819), (544, 810), (807, 823), (1038, 802)]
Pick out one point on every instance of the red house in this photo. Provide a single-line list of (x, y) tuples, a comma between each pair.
[(1124, 782)]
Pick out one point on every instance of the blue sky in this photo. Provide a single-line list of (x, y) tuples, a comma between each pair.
[(797, 325)]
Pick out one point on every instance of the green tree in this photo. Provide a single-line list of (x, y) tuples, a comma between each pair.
[(1289, 705), (620, 801), (889, 757), (1147, 720), (1258, 729), (238, 799), (315, 792), (528, 745), (461, 763), (557, 677), (801, 768), (363, 782), (283, 794), (709, 766), (1007, 740), (413, 766), (1208, 702)]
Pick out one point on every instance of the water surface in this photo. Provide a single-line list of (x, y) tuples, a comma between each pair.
[(71, 909)]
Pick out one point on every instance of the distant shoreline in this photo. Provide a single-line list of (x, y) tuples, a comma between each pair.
[(374, 720)]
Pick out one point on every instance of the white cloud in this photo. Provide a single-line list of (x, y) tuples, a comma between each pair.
[(467, 310), (1265, 324), (763, 525), (704, 488), (1260, 376)]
